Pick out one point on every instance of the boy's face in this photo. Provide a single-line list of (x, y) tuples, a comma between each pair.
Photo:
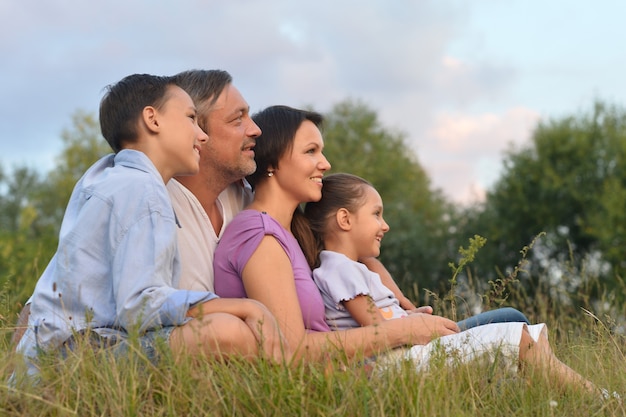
[(181, 135)]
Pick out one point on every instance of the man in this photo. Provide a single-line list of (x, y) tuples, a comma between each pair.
[(205, 203), (117, 265), (219, 191)]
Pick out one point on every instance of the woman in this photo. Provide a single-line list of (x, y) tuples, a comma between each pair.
[(259, 257), (258, 247)]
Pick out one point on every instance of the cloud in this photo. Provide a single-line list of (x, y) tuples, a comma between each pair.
[(463, 152), (395, 57)]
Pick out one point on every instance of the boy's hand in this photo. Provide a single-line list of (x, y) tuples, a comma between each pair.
[(257, 317), (263, 325)]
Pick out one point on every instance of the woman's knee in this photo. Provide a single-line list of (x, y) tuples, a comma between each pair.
[(534, 350)]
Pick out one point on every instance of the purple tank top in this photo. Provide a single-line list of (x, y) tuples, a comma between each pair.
[(241, 238)]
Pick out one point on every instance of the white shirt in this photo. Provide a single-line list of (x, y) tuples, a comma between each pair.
[(341, 279), (197, 239)]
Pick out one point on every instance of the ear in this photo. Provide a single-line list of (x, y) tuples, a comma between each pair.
[(344, 220), (150, 119)]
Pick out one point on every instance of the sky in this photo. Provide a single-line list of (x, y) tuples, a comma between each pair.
[(462, 80)]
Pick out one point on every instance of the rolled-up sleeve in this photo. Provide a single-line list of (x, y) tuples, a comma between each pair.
[(143, 284)]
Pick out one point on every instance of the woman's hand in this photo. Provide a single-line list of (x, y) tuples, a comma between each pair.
[(423, 309), (421, 328)]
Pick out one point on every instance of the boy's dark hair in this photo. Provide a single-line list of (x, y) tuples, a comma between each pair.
[(204, 87), (339, 190), (278, 126), (123, 103)]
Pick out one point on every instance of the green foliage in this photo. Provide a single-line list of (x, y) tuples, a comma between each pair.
[(570, 182), (32, 207), (466, 258), (498, 288)]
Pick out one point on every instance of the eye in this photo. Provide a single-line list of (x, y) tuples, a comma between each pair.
[(238, 118)]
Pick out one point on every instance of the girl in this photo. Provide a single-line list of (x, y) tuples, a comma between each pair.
[(349, 225)]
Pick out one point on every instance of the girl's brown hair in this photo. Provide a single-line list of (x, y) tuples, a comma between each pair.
[(340, 190)]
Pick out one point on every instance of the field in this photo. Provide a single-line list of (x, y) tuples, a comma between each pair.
[(94, 384)]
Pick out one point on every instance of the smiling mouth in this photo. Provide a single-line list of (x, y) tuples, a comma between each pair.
[(248, 146)]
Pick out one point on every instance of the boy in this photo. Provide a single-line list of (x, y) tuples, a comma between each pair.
[(117, 265)]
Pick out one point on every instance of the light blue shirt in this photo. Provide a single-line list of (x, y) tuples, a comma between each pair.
[(117, 265)]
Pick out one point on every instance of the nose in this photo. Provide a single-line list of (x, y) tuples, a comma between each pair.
[(324, 165), (385, 226), (252, 130), (202, 136)]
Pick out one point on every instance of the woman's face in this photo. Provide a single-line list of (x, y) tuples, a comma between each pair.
[(300, 171)]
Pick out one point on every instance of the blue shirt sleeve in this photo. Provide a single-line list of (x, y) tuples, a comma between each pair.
[(143, 282)]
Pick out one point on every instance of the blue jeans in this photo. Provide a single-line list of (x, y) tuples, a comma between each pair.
[(119, 345), (499, 315)]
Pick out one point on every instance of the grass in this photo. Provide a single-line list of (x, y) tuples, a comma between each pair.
[(95, 384), (89, 383)]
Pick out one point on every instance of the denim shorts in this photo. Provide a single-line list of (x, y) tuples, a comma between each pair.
[(151, 343)]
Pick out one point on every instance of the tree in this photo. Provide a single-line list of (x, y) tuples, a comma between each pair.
[(570, 182), (32, 207), (82, 146), (415, 249)]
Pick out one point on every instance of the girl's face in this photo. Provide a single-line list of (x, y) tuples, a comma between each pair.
[(369, 227), (300, 171)]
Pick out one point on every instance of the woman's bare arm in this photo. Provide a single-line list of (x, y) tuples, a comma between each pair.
[(256, 317), (268, 278)]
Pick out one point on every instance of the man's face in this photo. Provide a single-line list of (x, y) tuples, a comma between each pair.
[(232, 136)]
